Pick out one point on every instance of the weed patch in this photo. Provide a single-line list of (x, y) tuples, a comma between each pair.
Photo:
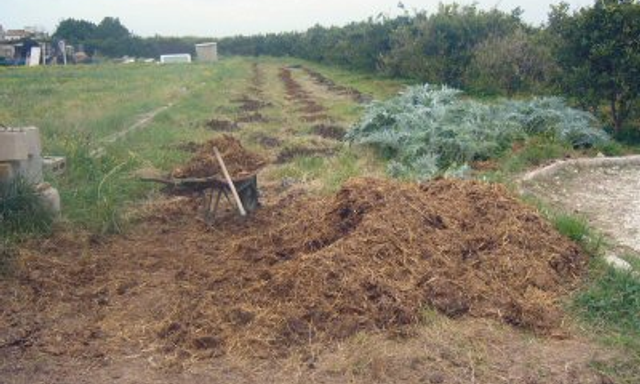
[(612, 302), (22, 211)]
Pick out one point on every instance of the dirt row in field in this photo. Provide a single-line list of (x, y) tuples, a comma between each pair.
[(305, 107), (311, 110), (250, 105), (341, 90)]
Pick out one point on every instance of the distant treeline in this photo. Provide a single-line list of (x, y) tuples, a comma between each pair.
[(447, 46), (110, 38), (592, 55)]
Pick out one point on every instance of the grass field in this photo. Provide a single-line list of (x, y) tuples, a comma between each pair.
[(79, 109), (85, 113)]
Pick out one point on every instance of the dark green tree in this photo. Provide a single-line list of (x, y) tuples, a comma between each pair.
[(598, 49), (520, 62), (111, 28), (438, 48), (75, 31)]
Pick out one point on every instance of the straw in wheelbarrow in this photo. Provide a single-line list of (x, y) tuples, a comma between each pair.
[(240, 162)]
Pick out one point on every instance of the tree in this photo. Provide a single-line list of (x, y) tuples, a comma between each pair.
[(599, 51), (438, 48), (111, 28), (75, 31), (518, 62)]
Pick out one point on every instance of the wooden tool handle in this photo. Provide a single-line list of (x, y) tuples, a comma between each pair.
[(230, 182)]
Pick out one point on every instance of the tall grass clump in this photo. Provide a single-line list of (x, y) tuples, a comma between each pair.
[(95, 190), (612, 301), (575, 228), (22, 211), (428, 130)]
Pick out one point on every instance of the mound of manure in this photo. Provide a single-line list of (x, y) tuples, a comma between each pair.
[(373, 257), (237, 159)]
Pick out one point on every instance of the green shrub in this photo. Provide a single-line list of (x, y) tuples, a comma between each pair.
[(610, 148), (428, 129)]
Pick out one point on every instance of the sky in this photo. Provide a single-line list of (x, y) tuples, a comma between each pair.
[(219, 18)]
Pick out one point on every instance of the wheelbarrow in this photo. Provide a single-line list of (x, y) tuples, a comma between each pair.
[(245, 185)]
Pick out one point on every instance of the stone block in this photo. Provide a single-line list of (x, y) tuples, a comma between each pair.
[(13, 145), (34, 146), (54, 164)]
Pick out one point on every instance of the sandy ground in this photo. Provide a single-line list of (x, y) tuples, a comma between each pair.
[(608, 197)]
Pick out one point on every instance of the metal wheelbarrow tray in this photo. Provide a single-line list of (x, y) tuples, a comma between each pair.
[(246, 185)]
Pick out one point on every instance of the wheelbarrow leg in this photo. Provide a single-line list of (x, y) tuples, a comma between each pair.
[(211, 213), (227, 196)]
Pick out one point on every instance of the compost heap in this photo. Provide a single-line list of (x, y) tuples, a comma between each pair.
[(373, 257), (237, 159), (303, 270)]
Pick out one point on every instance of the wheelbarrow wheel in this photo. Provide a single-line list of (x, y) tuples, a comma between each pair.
[(249, 197), (249, 194)]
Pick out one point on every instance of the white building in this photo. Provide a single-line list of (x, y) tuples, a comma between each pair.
[(207, 52), (174, 59)]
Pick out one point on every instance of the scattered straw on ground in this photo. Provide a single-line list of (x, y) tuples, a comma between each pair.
[(306, 270)]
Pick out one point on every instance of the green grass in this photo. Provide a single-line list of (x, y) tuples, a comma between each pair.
[(613, 300), (93, 100), (328, 174), (76, 107), (575, 228), (534, 152), (609, 305), (22, 212)]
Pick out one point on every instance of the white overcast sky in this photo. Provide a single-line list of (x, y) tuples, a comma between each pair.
[(218, 18)]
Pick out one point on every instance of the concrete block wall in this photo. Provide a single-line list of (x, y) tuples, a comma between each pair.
[(20, 154)]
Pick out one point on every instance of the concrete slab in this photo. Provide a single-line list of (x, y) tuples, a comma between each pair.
[(13, 145)]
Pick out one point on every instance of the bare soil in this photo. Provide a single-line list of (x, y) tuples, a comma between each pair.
[(269, 141), (291, 152), (329, 131), (255, 117), (248, 104), (222, 125), (606, 195), (341, 90)]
